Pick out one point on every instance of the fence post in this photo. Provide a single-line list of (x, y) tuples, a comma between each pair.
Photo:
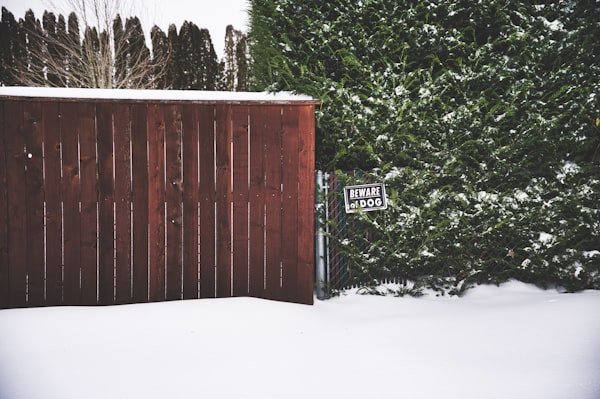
[(320, 239)]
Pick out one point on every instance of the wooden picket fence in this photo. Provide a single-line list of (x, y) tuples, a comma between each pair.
[(115, 201)]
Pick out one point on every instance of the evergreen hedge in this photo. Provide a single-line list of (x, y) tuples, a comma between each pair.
[(482, 119)]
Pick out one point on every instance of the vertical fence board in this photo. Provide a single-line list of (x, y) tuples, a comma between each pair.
[(106, 198), (71, 211), (89, 200), (173, 132), (139, 166), (34, 183), (223, 195), (53, 211), (240, 200), (17, 211), (122, 162), (156, 201), (290, 233), (190, 201), (4, 277), (257, 197), (207, 201), (273, 202), (306, 203)]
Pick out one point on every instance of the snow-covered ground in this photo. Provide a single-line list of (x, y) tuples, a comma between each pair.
[(508, 342)]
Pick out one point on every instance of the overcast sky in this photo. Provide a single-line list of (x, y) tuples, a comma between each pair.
[(214, 15)]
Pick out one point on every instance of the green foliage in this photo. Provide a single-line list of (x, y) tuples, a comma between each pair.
[(482, 120), (196, 59)]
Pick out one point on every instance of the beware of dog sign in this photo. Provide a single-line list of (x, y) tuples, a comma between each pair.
[(366, 197)]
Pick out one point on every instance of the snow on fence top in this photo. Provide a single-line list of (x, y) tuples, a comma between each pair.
[(155, 95)]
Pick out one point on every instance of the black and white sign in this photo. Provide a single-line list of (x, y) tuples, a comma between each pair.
[(366, 197)]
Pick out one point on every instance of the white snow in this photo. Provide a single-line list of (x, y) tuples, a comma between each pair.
[(589, 254), (513, 341), (568, 169), (131, 94)]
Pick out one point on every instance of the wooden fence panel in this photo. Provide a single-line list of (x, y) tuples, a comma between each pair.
[(34, 183), (190, 202), (289, 222), (306, 203), (113, 202), (17, 211), (4, 265), (273, 226), (70, 194), (122, 165), (88, 201), (106, 198), (207, 201), (173, 198), (139, 173), (257, 201), (156, 201), (240, 172), (53, 200), (223, 198)]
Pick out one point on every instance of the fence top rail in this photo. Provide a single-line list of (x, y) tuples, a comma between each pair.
[(166, 96)]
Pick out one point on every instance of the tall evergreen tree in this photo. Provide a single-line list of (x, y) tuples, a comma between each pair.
[(241, 56), (160, 58), (209, 61), (90, 50), (138, 67), (197, 59), (173, 72), (230, 66), (235, 65), (8, 47), (51, 27), (120, 49), (34, 47), (187, 58), (73, 56)]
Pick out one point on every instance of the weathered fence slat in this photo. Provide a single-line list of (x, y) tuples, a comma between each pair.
[(88, 201), (106, 198), (122, 162), (273, 202), (223, 198), (4, 265), (257, 204), (17, 211), (240, 172), (173, 198), (289, 222), (53, 209), (70, 193), (156, 201), (34, 183), (190, 202), (207, 202), (139, 169), (115, 202), (306, 203)]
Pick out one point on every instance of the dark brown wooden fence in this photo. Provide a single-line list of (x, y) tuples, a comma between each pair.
[(126, 201)]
